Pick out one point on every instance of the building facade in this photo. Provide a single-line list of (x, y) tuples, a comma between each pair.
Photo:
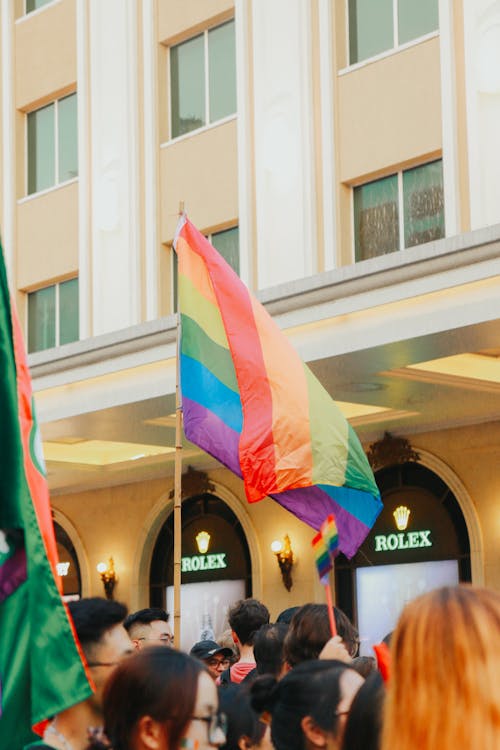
[(345, 162)]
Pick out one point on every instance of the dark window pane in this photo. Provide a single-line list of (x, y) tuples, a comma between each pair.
[(187, 85), (370, 28), (222, 71), (41, 149), (423, 204), (68, 138), (376, 218), (68, 312), (32, 5), (416, 18), (228, 245), (42, 319)]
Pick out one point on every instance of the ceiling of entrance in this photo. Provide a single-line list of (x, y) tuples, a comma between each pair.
[(430, 383)]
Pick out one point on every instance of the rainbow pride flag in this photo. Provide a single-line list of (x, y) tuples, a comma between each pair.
[(250, 401), (324, 562), (330, 535)]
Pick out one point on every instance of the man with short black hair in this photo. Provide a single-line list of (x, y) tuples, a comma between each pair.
[(105, 642), (149, 627), (245, 618)]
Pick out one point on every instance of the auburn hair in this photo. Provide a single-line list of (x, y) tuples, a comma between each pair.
[(444, 688)]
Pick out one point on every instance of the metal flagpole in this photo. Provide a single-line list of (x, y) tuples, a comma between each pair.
[(177, 487)]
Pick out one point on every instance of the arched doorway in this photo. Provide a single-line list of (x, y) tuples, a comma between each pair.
[(69, 566), (406, 553), (211, 580)]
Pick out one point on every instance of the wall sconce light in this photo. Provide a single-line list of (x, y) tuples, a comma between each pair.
[(108, 577), (203, 540), (284, 555), (401, 516)]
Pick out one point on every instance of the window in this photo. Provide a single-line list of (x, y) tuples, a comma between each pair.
[(52, 144), (402, 210), (53, 316), (227, 243), (378, 26), (32, 5), (203, 79)]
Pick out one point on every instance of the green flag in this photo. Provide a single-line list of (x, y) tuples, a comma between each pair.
[(42, 668)]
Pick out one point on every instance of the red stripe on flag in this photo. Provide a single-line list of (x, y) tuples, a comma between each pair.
[(244, 343)]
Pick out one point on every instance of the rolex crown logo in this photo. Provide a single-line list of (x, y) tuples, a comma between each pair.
[(401, 516)]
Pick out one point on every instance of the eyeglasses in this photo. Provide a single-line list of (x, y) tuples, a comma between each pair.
[(102, 663), (167, 639), (214, 722), (216, 663)]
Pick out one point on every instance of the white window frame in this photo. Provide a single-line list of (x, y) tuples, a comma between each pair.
[(56, 184), (57, 327), (396, 47), (208, 125), (401, 227)]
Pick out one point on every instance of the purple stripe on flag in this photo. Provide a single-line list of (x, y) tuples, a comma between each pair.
[(12, 573), (208, 431), (312, 505)]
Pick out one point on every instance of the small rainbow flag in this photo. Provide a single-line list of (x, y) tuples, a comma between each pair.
[(322, 557), (330, 535)]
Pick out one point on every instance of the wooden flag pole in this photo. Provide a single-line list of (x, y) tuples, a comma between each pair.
[(177, 488)]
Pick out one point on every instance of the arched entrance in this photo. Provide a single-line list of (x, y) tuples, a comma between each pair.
[(211, 579), (423, 545), (69, 566)]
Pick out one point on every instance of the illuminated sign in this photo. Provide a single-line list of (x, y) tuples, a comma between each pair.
[(62, 568), (203, 562), (410, 540)]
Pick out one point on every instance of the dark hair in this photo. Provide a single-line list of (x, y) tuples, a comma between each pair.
[(93, 616), (242, 719), (245, 617), (157, 682), (145, 617), (311, 689), (364, 722), (310, 630), (364, 665), (268, 648), (287, 614)]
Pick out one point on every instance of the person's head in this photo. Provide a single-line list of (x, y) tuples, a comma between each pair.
[(216, 658), (105, 642), (364, 722), (365, 665), (287, 614), (245, 730), (149, 627), (268, 648), (245, 617), (161, 699), (226, 640), (310, 629), (444, 672), (309, 705)]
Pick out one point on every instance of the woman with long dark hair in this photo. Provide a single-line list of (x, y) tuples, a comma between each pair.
[(308, 707), (161, 699)]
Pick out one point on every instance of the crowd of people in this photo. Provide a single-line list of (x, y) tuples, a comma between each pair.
[(289, 685)]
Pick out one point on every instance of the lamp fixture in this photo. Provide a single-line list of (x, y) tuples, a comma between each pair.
[(202, 541), (284, 555), (401, 516), (108, 577)]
